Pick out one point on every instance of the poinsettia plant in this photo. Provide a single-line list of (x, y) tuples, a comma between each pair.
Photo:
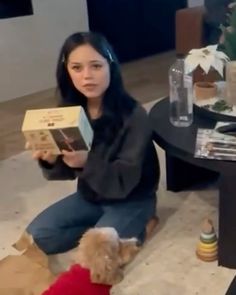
[(205, 58)]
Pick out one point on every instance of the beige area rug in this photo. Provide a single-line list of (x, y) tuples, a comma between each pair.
[(167, 265)]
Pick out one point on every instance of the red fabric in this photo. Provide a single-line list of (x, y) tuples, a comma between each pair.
[(76, 281)]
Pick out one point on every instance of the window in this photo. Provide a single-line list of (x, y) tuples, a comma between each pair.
[(14, 8)]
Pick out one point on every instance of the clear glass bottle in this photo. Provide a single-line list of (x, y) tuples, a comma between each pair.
[(180, 94)]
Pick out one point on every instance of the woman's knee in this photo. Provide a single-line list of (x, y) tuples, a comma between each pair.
[(49, 242), (42, 237), (33, 229), (54, 240)]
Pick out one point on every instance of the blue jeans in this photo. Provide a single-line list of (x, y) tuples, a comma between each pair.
[(58, 228)]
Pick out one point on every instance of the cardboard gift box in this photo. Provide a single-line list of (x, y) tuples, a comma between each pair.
[(56, 129), (27, 272)]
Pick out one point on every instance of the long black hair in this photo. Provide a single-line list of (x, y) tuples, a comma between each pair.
[(117, 104)]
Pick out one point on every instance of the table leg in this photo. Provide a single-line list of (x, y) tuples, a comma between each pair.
[(181, 175), (227, 220)]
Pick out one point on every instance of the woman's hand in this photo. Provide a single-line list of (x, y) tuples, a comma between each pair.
[(42, 155), (75, 159)]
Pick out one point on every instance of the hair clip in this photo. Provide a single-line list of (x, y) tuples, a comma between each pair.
[(109, 55), (63, 58)]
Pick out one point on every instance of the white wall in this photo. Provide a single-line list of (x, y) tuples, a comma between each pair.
[(29, 45), (192, 3)]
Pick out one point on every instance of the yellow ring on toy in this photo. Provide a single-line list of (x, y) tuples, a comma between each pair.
[(206, 254), (207, 249), (215, 250), (207, 246)]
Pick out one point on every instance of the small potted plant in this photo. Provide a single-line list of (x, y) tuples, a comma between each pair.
[(207, 59)]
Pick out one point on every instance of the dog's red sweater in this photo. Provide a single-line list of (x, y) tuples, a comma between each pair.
[(76, 281)]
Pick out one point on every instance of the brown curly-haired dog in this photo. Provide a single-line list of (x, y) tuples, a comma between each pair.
[(105, 254), (100, 258)]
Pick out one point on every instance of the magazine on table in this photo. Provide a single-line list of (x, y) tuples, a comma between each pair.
[(218, 143)]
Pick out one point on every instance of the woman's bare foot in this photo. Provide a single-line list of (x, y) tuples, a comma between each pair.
[(151, 226)]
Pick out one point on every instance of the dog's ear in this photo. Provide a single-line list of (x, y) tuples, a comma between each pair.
[(128, 250), (106, 270)]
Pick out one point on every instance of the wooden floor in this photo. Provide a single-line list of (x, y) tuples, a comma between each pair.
[(145, 79)]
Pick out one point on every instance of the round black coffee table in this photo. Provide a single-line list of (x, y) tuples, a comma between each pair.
[(232, 288), (183, 171)]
